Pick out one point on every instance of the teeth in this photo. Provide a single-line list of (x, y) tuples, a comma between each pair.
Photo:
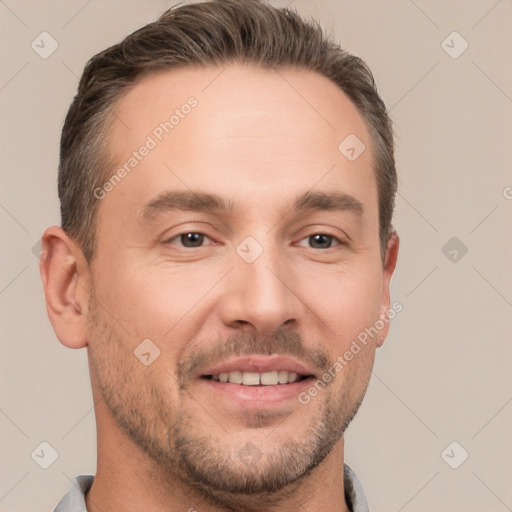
[(269, 378), (235, 377), (282, 376), (255, 379), (251, 379)]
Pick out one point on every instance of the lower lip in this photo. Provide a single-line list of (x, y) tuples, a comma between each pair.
[(257, 396)]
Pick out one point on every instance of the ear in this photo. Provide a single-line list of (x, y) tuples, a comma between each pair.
[(67, 286), (388, 269)]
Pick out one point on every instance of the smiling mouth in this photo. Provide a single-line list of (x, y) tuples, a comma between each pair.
[(247, 378)]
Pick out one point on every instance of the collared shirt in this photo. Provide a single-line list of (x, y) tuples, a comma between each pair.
[(74, 500)]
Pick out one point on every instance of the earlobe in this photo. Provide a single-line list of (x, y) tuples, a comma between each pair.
[(388, 269), (66, 281)]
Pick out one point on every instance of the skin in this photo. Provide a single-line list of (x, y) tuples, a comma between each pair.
[(168, 439)]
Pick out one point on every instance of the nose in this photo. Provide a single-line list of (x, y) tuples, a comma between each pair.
[(260, 296)]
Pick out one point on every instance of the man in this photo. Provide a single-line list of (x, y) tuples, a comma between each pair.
[(227, 184)]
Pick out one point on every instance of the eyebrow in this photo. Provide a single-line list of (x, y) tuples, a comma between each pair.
[(198, 201), (187, 201), (331, 201)]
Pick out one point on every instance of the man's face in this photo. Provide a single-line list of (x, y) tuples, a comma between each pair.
[(244, 245)]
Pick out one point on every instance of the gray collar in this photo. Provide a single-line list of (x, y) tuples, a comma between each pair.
[(74, 500), (354, 492)]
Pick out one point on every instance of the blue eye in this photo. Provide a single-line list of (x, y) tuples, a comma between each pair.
[(321, 241), (190, 240)]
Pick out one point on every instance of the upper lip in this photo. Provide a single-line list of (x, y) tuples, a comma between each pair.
[(259, 364)]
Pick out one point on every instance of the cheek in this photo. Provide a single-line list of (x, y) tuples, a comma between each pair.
[(158, 303), (347, 301)]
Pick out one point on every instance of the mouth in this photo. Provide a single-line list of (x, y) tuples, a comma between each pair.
[(258, 381), (249, 378)]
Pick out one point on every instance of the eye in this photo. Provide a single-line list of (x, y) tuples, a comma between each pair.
[(321, 241), (189, 240)]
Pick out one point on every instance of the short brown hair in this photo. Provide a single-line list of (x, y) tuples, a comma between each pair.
[(207, 34)]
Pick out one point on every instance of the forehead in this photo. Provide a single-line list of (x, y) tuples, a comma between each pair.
[(262, 101), (240, 130)]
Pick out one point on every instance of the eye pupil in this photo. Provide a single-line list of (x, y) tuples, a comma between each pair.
[(192, 239), (320, 241)]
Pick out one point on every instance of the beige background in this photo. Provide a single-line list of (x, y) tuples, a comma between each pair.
[(444, 372)]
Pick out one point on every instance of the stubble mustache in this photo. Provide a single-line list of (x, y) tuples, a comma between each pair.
[(282, 343)]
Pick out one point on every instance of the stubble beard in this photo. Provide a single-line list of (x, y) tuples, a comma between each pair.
[(211, 463)]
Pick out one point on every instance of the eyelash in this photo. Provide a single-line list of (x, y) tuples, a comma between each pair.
[(339, 241)]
